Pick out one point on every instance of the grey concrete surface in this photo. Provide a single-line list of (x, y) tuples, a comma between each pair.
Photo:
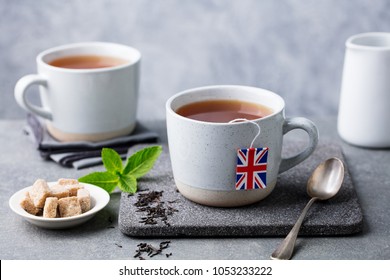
[(100, 238)]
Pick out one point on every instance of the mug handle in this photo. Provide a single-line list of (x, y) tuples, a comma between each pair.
[(311, 130), (20, 95)]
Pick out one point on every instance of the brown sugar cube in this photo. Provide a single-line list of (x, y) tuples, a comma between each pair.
[(73, 189), (72, 185), (28, 205), (69, 206), (59, 191), (50, 209), (66, 181), (38, 193), (84, 200)]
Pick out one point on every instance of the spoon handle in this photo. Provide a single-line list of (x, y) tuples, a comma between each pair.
[(286, 248)]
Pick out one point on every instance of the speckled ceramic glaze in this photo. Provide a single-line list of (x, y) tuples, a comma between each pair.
[(203, 154)]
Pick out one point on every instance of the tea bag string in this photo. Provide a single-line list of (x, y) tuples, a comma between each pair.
[(252, 122)]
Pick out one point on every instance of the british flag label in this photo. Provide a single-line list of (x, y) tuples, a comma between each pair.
[(251, 170)]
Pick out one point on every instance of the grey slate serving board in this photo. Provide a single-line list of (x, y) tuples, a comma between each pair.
[(274, 216)]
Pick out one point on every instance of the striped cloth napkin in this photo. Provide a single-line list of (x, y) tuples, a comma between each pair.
[(82, 154)]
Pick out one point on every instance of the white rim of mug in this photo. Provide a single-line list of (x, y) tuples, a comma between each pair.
[(172, 98), (352, 44), (134, 60)]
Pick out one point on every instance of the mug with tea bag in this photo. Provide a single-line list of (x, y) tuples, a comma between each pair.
[(225, 143)]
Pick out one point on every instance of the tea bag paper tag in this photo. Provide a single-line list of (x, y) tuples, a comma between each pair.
[(251, 169)]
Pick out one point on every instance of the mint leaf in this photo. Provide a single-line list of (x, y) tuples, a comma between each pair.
[(105, 180), (125, 178), (142, 161), (127, 183), (112, 160)]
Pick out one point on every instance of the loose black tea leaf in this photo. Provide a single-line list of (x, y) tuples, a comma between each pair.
[(110, 221), (150, 250), (164, 244), (156, 210)]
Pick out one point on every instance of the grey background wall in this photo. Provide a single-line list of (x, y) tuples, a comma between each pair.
[(293, 47)]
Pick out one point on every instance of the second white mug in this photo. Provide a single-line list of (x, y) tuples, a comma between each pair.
[(85, 104)]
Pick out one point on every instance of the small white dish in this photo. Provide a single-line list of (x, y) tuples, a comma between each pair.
[(99, 199)]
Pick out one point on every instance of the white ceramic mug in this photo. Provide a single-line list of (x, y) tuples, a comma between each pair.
[(204, 154), (364, 110), (85, 104)]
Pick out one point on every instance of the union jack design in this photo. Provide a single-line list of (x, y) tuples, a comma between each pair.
[(251, 171)]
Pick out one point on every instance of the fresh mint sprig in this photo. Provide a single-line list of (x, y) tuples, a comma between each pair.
[(124, 177)]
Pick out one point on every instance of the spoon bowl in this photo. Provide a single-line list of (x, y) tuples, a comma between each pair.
[(326, 180), (324, 183)]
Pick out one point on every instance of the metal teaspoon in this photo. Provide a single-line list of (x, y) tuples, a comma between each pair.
[(324, 183)]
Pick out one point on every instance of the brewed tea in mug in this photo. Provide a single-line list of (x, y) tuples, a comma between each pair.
[(87, 62), (223, 110)]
